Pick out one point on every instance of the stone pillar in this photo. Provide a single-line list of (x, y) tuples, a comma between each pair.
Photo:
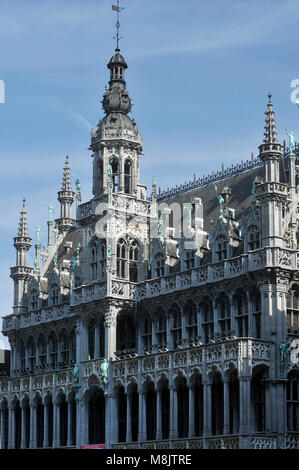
[(110, 334), (173, 422), (2, 428), (56, 424), (96, 342), (69, 423), (207, 412), (80, 408), (33, 429), (245, 406), (191, 411), (159, 415), (11, 427), (46, 425), (142, 417), (226, 406), (23, 428), (129, 418)]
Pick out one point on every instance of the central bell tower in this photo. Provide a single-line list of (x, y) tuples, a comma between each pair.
[(117, 142)]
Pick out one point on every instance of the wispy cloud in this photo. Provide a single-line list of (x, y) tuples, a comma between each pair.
[(76, 117)]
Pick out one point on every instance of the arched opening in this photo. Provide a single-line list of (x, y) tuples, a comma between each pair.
[(34, 299), (63, 420), (217, 404), (102, 336), (115, 175), (26, 414), (54, 297), (240, 306), (151, 412), (258, 394), (207, 319), (128, 177), (183, 406), (39, 421), (73, 418), (96, 416), (31, 351), (49, 410), (293, 402), (165, 408), (161, 332), (234, 401), (17, 424), (122, 414), (176, 328), (134, 412), (5, 417), (198, 405), (121, 258), (293, 310), (97, 259), (64, 347), (125, 332), (133, 260)]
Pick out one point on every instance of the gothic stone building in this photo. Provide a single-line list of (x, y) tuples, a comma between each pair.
[(190, 294)]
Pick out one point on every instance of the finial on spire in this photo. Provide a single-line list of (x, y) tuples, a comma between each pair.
[(24, 201), (66, 180), (270, 127), (117, 8), (23, 231), (269, 96)]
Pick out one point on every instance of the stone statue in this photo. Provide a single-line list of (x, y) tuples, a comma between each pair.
[(109, 252), (104, 369), (37, 232), (78, 249), (154, 181), (55, 259), (160, 223), (283, 351), (291, 141), (73, 263), (221, 201), (253, 192), (77, 183), (50, 212), (35, 264), (75, 374), (110, 173)]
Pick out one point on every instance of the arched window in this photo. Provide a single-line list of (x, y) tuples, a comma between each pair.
[(34, 300), (22, 355), (31, 353), (159, 265), (189, 259), (115, 175), (217, 393), (191, 320), (64, 346), (41, 350), (256, 312), (98, 259), (176, 329), (91, 338), (207, 319), (254, 238), (127, 259), (241, 313), (224, 318), (128, 177), (53, 349), (147, 332), (258, 400), (125, 332), (293, 402), (54, 294), (293, 311), (161, 332), (221, 248)]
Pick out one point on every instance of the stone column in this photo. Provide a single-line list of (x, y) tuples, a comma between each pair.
[(46, 425), (23, 428), (207, 412), (110, 333), (56, 424), (245, 405), (69, 424), (33, 430), (129, 418), (159, 415), (11, 427), (191, 411), (96, 342), (226, 406), (2, 428), (142, 416), (173, 422)]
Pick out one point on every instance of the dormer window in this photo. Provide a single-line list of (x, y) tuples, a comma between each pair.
[(54, 295), (34, 300), (159, 265), (253, 238), (189, 259)]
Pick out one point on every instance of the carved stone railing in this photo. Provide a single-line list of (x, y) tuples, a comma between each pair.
[(291, 441), (193, 443), (89, 292), (111, 134), (257, 351), (129, 204), (263, 442), (36, 317), (87, 209)]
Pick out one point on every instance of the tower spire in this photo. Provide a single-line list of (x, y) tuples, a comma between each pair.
[(66, 180), (270, 126), (23, 229), (66, 199)]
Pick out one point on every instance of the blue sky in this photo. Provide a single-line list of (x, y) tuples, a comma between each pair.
[(199, 74)]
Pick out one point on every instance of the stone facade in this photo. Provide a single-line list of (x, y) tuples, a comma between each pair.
[(191, 295)]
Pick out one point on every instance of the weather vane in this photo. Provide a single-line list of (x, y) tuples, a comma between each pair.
[(117, 8)]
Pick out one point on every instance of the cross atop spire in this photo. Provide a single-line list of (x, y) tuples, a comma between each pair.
[(270, 126), (23, 229), (117, 8)]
